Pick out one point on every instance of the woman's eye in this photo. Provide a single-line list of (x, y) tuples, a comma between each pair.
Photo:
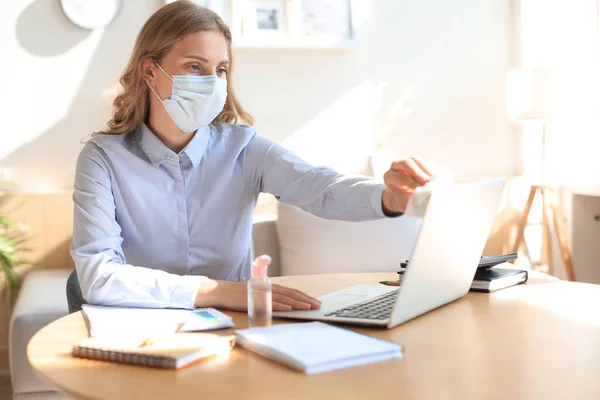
[(194, 67), (221, 71)]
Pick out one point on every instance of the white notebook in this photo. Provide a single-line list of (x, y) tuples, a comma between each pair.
[(122, 322), (315, 347)]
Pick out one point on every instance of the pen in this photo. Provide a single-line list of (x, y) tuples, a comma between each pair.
[(150, 340), (147, 342), (390, 283)]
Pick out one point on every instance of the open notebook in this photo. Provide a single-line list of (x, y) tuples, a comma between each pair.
[(106, 322), (314, 347), (170, 352)]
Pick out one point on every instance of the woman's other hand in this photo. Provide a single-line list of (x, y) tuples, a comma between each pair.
[(234, 296)]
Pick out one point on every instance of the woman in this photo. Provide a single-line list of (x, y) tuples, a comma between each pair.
[(164, 197)]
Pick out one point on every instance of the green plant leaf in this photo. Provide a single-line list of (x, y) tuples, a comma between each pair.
[(17, 237), (8, 272), (17, 243), (20, 261), (6, 260), (12, 238), (8, 221), (14, 260), (12, 278), (6, 246)]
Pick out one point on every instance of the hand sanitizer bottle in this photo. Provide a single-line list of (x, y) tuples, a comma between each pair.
[(260, 306)]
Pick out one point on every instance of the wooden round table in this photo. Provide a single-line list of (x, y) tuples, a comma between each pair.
[(533, 341)]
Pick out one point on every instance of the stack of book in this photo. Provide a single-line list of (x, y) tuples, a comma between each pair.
[(496, 278), (493, 273)]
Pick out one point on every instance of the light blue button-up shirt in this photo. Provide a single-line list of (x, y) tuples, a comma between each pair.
[(150, 224)]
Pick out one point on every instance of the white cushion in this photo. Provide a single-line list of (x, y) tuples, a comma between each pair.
[(42, 299), (264, 241), (41, 396), (312, 245)]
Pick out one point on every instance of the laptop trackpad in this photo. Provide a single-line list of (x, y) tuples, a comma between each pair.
[(352, 295), (342, 299)]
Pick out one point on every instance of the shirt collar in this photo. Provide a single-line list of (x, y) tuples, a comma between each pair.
[(156, 151), (196, 148)]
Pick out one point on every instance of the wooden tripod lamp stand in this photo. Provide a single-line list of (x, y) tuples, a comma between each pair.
[(532, 100)]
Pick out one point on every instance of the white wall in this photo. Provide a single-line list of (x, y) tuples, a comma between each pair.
[(328, 105), (453, 55), (53, 76)]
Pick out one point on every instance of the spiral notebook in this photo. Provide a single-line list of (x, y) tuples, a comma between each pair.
[(174, 351)]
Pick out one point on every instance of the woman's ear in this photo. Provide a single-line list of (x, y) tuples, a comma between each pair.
[(148, 71)]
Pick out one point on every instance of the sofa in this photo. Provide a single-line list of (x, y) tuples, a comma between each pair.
[(298, 243), (301, 243), (41, 300)]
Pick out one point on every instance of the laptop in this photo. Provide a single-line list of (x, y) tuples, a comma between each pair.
[(453, 233)]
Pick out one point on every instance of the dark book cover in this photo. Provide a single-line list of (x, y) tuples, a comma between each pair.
[(492, 274), (489, 280)]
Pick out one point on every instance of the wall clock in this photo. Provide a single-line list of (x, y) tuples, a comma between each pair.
[(91, 14)]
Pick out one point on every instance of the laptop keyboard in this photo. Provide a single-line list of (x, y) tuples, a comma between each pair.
[(378, 308)]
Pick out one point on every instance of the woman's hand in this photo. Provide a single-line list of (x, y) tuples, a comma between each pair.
[(287, 299), (401, 180), (234, 296)]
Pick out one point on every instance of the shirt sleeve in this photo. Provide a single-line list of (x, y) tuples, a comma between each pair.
[(103, 274), (320, 191)]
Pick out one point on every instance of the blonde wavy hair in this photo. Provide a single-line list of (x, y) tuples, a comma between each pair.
[(158, 35)]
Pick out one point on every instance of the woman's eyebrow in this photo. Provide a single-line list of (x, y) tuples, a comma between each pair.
[(204, 59)]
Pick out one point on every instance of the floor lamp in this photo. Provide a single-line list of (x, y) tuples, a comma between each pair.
[(531, 93)]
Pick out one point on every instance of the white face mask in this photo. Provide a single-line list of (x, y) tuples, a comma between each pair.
[(195, 100)]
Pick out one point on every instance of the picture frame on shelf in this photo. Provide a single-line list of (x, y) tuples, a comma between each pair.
[(321, 20), (300, 24), (264, 19)]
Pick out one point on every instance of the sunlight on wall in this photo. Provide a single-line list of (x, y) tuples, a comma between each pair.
[(518, 93), (578, 93), (46, 93), (565, 102), (573, 152), (399, 110), (558, 33), (341, 135), (361, 11), (59, 79), (572, 117), (564, 36), (351, 129), (574, 136)]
